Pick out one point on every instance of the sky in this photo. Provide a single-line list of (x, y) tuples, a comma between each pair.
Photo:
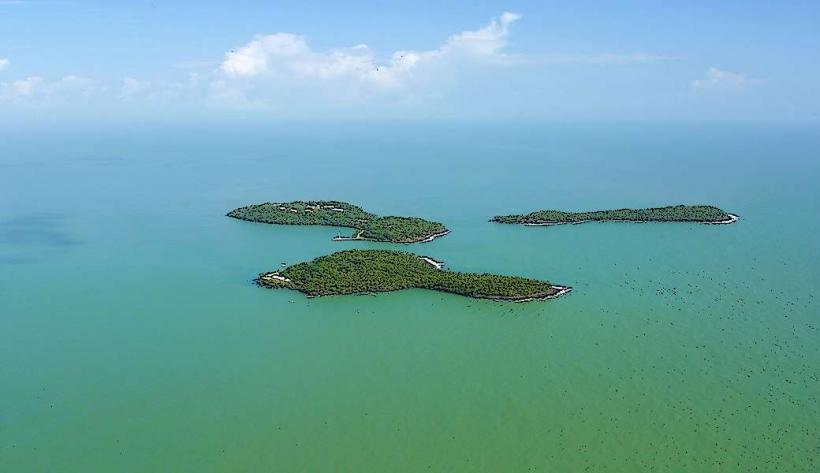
[(465, 60)]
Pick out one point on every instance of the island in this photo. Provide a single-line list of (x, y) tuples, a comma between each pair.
[(674, 213), (374, 271), (367, 226)]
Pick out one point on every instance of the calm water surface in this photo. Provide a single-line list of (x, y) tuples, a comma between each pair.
[(132, 339)]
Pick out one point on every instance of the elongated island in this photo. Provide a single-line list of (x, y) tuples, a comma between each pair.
[(373, 271), (367, 226), (674, 213)]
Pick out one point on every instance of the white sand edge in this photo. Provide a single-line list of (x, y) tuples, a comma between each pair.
[(561, 291), (432, 262), (270, 276), (434, 236), (358, 237), (732, 219)]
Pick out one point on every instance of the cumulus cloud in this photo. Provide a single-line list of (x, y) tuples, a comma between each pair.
[(35, 88), (282, 68), (4, 64), (285, 57), (72, 84), (486, 41), (281, 72), (132, 87), (21, 88), (717, 79)]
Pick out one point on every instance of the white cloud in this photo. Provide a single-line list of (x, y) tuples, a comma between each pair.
[(21, 88), (717, 79), (35, 89), (485, 41), (132, 87), (282, 70), (284, 57), (72, 85), (259, 55), (4, 64), (284, 75)]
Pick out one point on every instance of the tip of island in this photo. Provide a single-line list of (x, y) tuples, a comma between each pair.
[(367, 226), (707, 214), (373, 271)]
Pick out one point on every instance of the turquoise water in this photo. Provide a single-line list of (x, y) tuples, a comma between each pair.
[(132, 338)]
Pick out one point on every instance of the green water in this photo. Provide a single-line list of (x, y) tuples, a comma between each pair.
[(132, 340)]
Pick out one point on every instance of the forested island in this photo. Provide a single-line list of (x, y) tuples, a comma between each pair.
[(675, 213), (367, 226), (373, 271)]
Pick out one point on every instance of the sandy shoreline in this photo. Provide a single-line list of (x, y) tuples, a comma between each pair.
[(549, 224), (275, 280), (271, 280), (275, 276), (561, 291), (732, 219), (358, 237), (433, 237), (432, 262)]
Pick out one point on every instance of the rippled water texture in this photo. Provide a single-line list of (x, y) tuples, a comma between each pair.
[(132, 339)]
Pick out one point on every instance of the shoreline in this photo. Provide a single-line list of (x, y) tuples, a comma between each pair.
[(549, 224), (275, 275), (732, 219), (434, 263), (477, 288), (561, 291), (432, 237), (358, 237), (355, 237), (276, 281), (331, 213)]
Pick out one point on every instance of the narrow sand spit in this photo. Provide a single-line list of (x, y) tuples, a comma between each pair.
[(276, 276), (434, 236), (732, 219), (431, 261), (561, 291)]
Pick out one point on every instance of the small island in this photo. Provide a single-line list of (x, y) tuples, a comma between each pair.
[(707, 214), (367, 226), (374, 271)]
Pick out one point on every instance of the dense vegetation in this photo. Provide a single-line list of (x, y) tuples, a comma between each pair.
[(339, 214), (370, 271), (675, 213), (401, 229), (368, 226)]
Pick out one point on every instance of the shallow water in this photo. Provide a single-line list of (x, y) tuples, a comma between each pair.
[(131, 337)]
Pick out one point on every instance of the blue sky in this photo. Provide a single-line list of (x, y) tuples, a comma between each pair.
[(189, 60)]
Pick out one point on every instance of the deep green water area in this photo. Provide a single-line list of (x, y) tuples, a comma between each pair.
[(133, 340)]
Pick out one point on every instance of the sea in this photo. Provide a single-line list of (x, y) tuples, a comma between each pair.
[(133, 339)]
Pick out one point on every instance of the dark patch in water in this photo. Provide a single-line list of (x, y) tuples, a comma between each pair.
[(23, 238)]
